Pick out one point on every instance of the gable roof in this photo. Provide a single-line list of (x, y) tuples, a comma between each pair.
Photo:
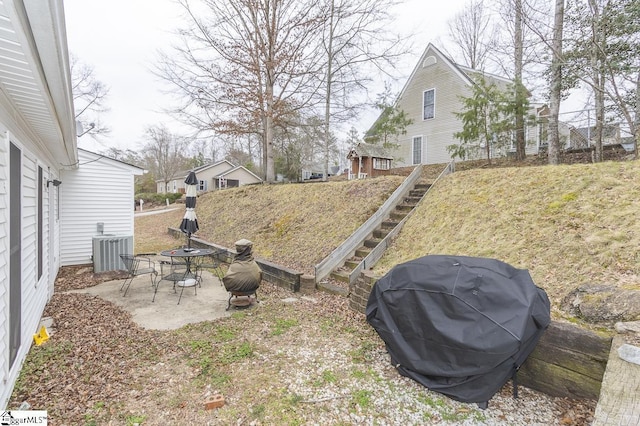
[(99, 157), (210, 165), (226, 172), (363, 149), (436, 52), (184, 173), (463, 72)]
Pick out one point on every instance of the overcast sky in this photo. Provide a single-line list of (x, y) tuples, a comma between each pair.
[(120, 39)]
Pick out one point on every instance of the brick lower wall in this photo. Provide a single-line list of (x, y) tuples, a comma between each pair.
[(275, 274), (360, 291)]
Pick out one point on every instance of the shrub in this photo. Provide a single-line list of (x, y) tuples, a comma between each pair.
[(157, 198)]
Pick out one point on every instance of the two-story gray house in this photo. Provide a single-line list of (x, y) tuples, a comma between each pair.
[(430, 97)]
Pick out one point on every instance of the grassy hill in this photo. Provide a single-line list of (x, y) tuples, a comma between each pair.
[(568, 225), (294, 225)]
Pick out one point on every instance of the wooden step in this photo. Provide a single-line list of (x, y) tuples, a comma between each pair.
[(381, 233), (405, 207), (389, 224), (352, 264), (363, 251), (342, 276), (412, 200), (372, 242), (422, 186), (417, 193), (397, 215), (333, 289)]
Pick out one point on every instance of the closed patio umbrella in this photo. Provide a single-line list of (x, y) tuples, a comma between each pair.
[(189, 224)]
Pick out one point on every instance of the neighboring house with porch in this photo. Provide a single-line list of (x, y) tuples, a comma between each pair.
[(235, 177), (37, 143), (222, 174), (368, 160), (431, 97)]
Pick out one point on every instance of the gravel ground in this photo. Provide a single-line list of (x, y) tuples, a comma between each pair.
[(292, 360)]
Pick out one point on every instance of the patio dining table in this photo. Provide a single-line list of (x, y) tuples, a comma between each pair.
[(183, 268)]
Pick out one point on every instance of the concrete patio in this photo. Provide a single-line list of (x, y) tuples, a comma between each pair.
[(164, 313)]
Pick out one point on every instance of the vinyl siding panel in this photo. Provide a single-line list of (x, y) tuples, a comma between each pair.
[(36, 116), (34, 294), (100, 190), (4, 256), (242, 176), (450, 83), (437, 133)]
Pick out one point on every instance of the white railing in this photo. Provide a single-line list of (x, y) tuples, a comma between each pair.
[(355, 240)]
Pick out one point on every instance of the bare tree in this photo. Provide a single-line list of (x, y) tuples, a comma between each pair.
[(471, 32), (89, 98), (555, 92), (245, 66), (354, 37), (516, 53), (164, 153), (622, 86), (588, 54)]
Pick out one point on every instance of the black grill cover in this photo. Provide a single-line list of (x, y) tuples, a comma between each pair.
[(458, 325)]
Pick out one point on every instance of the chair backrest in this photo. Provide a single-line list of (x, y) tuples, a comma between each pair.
[(130, 262)]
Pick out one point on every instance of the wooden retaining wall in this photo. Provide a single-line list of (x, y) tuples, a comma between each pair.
[(568, 361), (275, 274)]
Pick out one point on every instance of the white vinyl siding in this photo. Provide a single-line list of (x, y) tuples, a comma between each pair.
[(429, 104), (242, 175), (33, 297), (437, 133), (100, 190), (4, 264)]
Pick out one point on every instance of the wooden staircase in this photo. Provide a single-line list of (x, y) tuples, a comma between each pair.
[(401, 210)]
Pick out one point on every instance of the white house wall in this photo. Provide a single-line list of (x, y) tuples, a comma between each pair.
[(35, 292), (242, 176), (100, 190), (437, 133), (36, 117)]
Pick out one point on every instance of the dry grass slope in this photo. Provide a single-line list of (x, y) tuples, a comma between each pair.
[(569, 224), (295, 225)]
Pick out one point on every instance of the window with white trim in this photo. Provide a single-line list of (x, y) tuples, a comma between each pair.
[(417, 150), (428, 104), (381, 163)]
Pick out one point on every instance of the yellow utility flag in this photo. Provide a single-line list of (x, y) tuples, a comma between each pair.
[(42, 336)]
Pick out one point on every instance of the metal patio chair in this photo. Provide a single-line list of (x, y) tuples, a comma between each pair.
[(175, 270), (211, 263), (137, 265)]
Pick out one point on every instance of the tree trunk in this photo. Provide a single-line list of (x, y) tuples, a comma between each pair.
[(636, 124), (556, 86), (327, 103), (519, 94), (598, 76)]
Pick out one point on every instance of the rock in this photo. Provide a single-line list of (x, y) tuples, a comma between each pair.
[(603, 303), (628, 327), (629, 353)]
